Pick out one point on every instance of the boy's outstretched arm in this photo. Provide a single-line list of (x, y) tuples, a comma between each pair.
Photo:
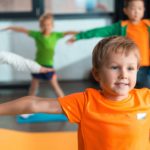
[(70, 33), (30, 104), (105, 31), (17, 29)]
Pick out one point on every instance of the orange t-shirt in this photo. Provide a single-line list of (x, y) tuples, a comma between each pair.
[(140, 35), (110, 125)]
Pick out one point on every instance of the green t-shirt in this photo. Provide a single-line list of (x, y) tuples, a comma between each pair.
[(45, 46)]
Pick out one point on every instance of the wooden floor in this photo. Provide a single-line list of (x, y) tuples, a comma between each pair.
[(8, 93)]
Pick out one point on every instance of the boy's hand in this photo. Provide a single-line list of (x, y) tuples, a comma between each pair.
[(3, 29), (45, 70), (71, 40)]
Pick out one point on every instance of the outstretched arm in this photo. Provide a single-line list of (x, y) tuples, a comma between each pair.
[(30, 104), (106, 31), (21, 64), (70, 32), (17, 29)]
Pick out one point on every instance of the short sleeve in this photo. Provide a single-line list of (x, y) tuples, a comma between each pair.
[(59, 34), (34, 34), (73, 106)]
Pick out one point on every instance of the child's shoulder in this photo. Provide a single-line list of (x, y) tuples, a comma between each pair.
[(34, 32), (143, 92), (124, 23), (92, 91), (56, 33), (142, 96), (146, 21), (141, 89)]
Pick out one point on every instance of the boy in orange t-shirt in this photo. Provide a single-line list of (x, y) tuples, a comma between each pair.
[(136, 28), (114, 118)]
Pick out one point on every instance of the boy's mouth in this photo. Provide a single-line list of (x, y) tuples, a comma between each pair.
[(121, 84)]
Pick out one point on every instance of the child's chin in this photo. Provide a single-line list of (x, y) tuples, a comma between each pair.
[(122, 93)]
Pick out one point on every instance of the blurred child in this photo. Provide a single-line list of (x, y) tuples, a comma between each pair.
[(21, 64), (114, 118), (45, 40), (135, 28)]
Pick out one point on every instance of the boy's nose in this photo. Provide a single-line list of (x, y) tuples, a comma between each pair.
[(123, 74)]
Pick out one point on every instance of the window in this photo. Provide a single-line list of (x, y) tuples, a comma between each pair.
[(64, 6), (19, 8), (60, 8), (10, 6), (78, 6)]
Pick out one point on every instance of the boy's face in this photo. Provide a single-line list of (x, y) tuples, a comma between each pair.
[(117, 76), (135, 10), (46, 26)]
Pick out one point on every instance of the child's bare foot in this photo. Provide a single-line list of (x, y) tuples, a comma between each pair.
[(25, 116)]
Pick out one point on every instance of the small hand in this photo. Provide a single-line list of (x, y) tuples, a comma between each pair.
[(6, 28), (71, 40)]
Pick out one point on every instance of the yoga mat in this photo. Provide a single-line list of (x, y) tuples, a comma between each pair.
[(17, 140), (41, 117)]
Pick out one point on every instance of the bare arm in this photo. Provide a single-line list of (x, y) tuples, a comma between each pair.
[(17, 29), (30, 104), (70, 32)]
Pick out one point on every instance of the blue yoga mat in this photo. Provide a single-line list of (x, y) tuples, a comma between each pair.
[(42, 117)]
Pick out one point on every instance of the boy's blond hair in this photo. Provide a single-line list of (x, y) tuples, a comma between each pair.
[(126, 2), (114, 44), (45, 17)]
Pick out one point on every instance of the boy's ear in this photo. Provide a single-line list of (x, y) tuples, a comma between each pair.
[(95, 74), (138, 67), (125, 11)]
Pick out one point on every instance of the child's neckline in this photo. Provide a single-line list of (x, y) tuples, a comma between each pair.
[(46, 35), (108, 100), (136, 24)]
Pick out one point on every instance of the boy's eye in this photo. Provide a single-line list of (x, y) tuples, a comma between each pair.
[(114, 67), (130, 68)]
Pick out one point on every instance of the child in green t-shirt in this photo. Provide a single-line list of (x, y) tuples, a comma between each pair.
[(46, 41)]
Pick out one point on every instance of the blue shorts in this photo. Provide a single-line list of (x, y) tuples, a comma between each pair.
[(44, 76)]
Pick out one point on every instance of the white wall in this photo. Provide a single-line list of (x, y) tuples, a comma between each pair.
[(5, 44), (72, 62)]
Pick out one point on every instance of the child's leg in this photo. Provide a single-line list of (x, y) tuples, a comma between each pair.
[(18, 62), (32, 91), (55, 85), (34, 86)]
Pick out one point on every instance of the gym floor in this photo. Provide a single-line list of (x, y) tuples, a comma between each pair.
[(8, 93)]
